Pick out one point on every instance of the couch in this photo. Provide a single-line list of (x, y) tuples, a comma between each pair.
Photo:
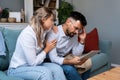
[(101, 61)]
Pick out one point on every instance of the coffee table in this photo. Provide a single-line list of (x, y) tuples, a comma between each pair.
[(112, 74)]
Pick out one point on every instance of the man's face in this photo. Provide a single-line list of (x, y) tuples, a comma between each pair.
[(74, 28)]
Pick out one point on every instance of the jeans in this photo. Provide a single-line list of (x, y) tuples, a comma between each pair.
[(45, 71), (86, 75), (72, 74)]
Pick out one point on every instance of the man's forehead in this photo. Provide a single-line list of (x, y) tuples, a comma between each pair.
[(78, 24)]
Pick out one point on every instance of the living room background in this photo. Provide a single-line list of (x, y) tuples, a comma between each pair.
[(103, 14), (13, 5)]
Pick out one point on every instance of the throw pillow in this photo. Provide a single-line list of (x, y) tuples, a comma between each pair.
[(10, 40), (92, 41)]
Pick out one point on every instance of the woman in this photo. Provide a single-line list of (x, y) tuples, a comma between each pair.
[(27, 60)]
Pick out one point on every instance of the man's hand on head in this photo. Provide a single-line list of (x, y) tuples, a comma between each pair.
[(82, 36)]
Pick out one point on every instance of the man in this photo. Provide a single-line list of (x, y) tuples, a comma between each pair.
[(67, 36)]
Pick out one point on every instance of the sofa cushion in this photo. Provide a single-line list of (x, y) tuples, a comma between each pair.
[(99, 60), (3, 59), (92, 41), (11, 36), (2, 74), (4, 63)]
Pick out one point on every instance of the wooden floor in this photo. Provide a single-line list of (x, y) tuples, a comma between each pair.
[(112, 74)]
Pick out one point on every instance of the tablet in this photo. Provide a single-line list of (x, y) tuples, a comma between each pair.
[(89, 54)]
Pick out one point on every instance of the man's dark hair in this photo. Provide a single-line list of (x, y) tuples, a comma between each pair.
[(79, 16)]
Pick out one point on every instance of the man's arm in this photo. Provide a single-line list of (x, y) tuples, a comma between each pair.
[(79, 44), (53, 55), (77, 47), (61, 60)]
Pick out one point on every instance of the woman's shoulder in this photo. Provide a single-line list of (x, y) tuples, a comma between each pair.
[(28, 29), (27, 32)]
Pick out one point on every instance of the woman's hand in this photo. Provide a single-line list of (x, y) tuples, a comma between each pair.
[(50, 45)]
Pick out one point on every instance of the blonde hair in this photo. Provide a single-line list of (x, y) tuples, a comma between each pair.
[(37, 23)]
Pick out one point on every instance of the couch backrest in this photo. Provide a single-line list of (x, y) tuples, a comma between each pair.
[(4, 62), (10, 38)]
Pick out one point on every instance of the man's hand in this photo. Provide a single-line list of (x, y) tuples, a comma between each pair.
[(74, 61), (82, 36), (82, 61)]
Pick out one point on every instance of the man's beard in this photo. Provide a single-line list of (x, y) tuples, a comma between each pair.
[(69, 34)]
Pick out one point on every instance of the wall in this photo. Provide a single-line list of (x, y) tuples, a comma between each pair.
[(13, 5), (14, 25), (105, 15)]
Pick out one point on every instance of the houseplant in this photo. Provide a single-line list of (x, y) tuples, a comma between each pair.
[(64, 11), (4, 15)]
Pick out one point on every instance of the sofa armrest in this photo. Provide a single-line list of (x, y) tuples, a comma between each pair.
[(105, 46), (101, 61)]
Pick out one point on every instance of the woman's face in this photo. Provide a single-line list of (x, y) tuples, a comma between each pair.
[(48, 23)]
